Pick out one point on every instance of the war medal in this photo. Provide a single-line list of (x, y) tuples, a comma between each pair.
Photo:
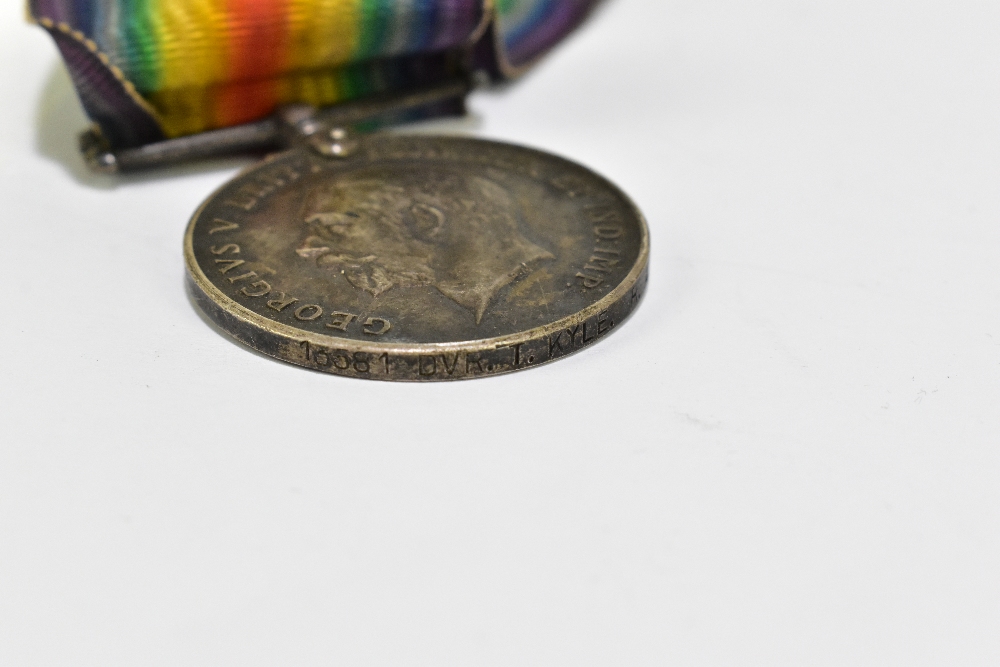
[(387, 256)]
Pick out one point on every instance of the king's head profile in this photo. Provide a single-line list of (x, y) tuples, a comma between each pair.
[(459, 232)]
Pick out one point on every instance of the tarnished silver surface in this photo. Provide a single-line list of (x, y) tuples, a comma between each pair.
[(418, 258)]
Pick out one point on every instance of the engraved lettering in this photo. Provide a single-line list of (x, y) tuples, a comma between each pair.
[(470, 359), (257, 190), (263, 186), (245, 276), (259, 288), (340, 321), (604, 216), (278, 177), (601, 264), (572, 335), (222, 226), (589, 281), (604, 323), (427, 365), (555, 343), (245, 204), (385, 359), (230, 264), (634, 298), (607, 262), (229, 247), (454, 362), (517, 352), (282, 302), (319, 357), (371, 329), (248, 195), (605, 256), (361, 362), (585, 339), (308, 312), (342, 359)]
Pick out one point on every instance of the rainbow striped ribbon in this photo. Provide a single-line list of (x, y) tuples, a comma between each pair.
[(146, 70)]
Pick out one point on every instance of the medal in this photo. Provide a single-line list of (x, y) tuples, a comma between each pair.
[(367, 254)]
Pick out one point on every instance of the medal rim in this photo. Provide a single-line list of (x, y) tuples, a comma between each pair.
[(203, 288)]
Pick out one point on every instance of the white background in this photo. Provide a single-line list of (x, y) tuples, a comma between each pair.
[(788, 456)]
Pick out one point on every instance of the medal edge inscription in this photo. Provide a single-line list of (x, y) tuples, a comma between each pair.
[(422, 362)]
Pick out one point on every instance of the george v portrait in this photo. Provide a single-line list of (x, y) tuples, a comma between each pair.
[(458, 232)]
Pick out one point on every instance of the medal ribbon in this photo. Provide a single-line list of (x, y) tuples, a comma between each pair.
[(147, 70)]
